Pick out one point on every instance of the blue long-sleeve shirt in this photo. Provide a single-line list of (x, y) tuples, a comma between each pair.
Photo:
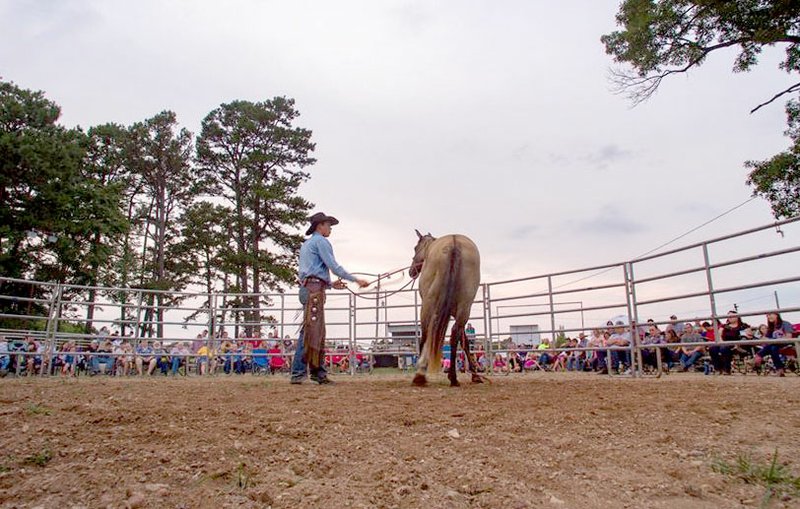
[(316, 259)]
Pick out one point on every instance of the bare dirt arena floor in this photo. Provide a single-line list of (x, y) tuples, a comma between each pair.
[(540, 440)]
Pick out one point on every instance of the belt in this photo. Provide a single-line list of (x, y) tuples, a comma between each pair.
[(314, 278)]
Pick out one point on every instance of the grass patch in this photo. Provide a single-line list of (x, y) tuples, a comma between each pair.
[(776, 477), (243, 477), (36, 409), (40, 459)]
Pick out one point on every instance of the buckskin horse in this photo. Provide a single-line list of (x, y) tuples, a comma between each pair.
[(449, 270)]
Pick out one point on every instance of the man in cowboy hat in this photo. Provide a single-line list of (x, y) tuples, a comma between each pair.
[(316, 264)]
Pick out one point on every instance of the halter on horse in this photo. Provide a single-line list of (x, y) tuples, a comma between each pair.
[(449, 270)]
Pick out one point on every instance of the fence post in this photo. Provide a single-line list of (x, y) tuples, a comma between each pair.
[(637, 366), (283, 316), (51, 329), (487, 320), (710, 283), (552, 312), (353, 330), (138, 317)]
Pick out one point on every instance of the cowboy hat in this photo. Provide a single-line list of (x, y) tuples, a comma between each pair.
[(318, 218)]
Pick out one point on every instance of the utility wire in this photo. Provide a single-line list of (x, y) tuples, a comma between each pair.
[(665, 244)]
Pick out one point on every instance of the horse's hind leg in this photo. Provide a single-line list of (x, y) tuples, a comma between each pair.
[(452, 373), (473, 369), (422, 367), (422, 362)]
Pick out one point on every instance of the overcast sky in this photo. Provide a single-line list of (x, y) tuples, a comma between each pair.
[(492, 119)]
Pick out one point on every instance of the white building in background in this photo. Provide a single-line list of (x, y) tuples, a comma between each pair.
[(525, 335)]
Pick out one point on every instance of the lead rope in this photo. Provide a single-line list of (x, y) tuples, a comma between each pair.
[(387, 295)]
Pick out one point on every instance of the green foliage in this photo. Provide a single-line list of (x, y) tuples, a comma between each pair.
[(252, 156), (660, 38), (39, 180), (41, 458), (60, 210), (122, 206), (776, 477), (36, 409), (244, 478), (663, 37), (777, 179)]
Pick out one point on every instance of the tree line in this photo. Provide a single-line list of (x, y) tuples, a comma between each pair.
[(150, 206)]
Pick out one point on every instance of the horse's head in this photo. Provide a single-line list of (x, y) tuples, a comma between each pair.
[(420, 250)]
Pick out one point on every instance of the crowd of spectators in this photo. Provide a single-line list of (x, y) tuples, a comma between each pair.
[(109, 353), (683, 346)]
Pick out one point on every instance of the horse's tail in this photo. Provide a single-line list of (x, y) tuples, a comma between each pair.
[(445, 306)]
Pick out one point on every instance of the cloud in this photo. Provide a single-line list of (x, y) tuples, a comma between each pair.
[(524, 231), (609, 220), (600, 159), (606, 155)]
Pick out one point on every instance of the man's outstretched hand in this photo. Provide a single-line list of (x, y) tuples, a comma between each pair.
[(341, 285)]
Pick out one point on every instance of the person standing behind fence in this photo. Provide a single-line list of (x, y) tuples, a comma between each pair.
[(315, 265)]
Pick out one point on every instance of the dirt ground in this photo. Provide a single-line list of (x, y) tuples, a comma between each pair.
[(538, 440)]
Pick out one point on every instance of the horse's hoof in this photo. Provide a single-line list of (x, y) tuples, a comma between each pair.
[(454, 383), (419, 380), (477, 379)]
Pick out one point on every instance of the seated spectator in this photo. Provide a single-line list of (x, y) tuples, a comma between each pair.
[(103, 358), (5, 359), (178, 357), (581, 355), (690, 354), (163, 362), (244, 359), (255, 341), (33, 363), (480, 358), (672, 354), (276, 360), (746, 351), (226, 353), (560, 363), (620, 359), (499, 365), (18, 362), (592, 359), (531, 362), (364, 362), (707, 331), (206, 360), (145, 357), (654, 336), (514, 362), (123, 358), (68, 358), (544, 356), (601, 361), (721, 356), (777, 328), (337, 357), (446, 364)]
